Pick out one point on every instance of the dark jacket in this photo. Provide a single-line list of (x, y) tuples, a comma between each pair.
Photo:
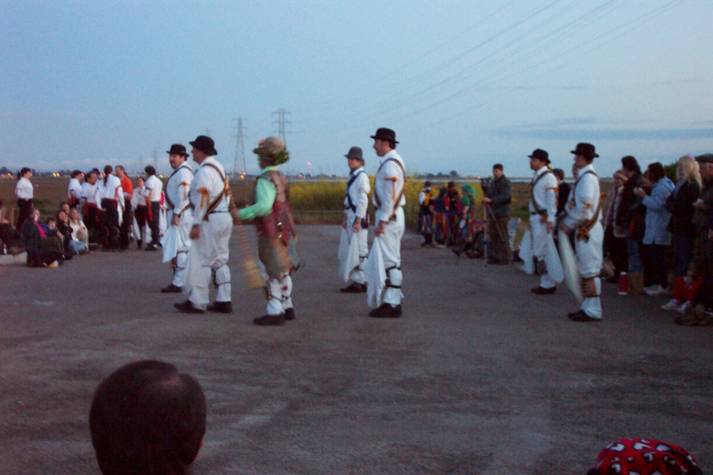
[(562, 196), (500, 193), (702, 217), (632, 213), (680, 204)]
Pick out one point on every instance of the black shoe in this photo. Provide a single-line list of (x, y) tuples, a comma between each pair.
[(354, 288), (386, 311), (139, 244), (151, 247), (171, 289), (581, 317), (290, 314), (543, 291), (221, 307), (270, 320), (187, 307), (457, 252)]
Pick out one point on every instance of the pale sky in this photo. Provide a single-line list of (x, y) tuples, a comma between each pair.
[(465, 84)]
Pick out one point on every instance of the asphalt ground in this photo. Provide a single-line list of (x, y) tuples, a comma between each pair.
[(478, 377)]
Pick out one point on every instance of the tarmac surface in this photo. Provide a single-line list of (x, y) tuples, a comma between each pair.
[(478, 377)]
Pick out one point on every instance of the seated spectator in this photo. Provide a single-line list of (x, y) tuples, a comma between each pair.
[(147, 418), (80, 233), (44, 247), (71, 245), (64, 206), (10, 241), (636, 456)]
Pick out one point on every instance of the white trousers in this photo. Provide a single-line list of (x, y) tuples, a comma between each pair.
[(389, 244), (539, 248), (209, 258), (279, 295), (358, 276), (179, 245), (589, 263)]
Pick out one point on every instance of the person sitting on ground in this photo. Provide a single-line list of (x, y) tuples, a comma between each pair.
[(630, 456), (10, 241), (64, 230), (43, 248), (80, 233), (147, 418)]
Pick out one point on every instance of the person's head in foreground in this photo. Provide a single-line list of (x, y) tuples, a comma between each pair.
[(632, 456), (147, 418)]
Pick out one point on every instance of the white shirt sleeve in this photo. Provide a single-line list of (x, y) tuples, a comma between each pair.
[(363, 188), (586, 200), (388, 189), (551, 197)]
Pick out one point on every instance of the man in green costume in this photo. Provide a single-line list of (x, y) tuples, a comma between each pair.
[(275, 230)]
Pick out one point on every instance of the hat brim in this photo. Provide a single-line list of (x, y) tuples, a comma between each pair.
[(574, 152), (211, 151), (185, 154), (353, 157), (384, 138)]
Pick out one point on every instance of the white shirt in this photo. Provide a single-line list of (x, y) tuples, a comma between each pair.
[(139, 197), (544, 194), (154, 187), (388, 183), (178, 186), (74, 189), (89, 192), (110, 190), (583, 199), (76, 227), (358, 192), (207, 184), (24, 189)]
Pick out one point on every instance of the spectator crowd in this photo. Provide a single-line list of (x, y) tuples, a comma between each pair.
[(658, 229), (104, 210)]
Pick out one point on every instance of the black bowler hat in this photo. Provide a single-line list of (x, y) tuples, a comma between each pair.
[(205, 144), (541, 155), (383, 133), (177, 149), (586, 150), (705, 158), (355, 153)]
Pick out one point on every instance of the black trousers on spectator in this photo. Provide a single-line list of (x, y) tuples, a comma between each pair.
[(125, 231), (657, 267), (24, 211), (615, 249), (500, 240), (90, 220), (110, 223), (155, 216)]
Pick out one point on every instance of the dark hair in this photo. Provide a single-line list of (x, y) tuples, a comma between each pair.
[(150, 170), (107, 172), (75, 174), (147, 418), (630, 164), (22, 172), (451, 184), (656, 171), (442, 191), (498, 166), (122, 168), (559, 173)]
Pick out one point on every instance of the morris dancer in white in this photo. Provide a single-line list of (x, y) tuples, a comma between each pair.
[(74, 188), (110, 198), (176, 242), (212, 226), (583, 213), (543, 214), (383, 266), (356, 225)]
